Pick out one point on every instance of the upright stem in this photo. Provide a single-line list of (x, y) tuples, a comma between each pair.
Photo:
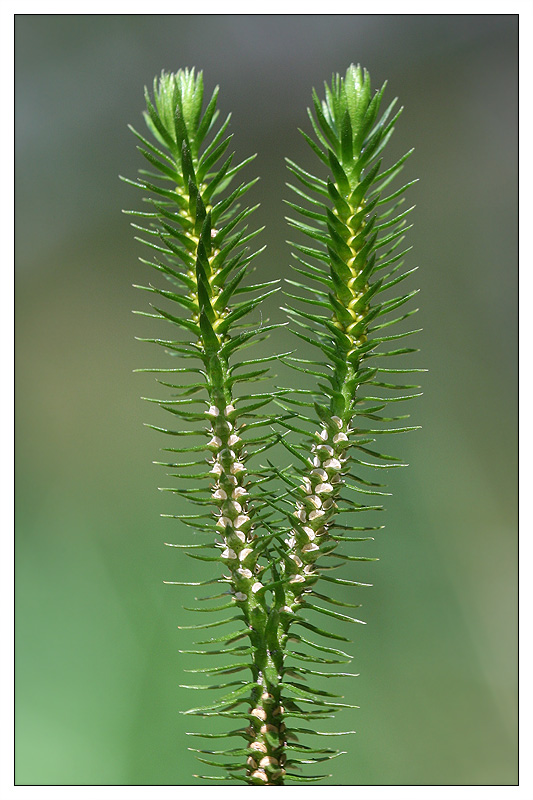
[(230, 495), (321, 487)]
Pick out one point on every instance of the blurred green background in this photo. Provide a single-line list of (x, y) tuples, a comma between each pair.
[(97, 659)]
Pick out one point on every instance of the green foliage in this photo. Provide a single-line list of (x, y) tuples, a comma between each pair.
[(278, 546)]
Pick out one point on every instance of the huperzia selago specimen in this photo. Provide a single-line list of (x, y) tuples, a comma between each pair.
[(275, 533)]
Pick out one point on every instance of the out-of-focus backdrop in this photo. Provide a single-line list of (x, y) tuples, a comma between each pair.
[(97, 658)]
